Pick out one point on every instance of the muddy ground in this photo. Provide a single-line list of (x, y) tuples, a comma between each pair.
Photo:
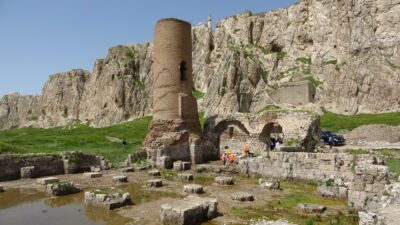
[(268, 204)]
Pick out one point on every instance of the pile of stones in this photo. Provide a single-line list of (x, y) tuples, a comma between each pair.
[(62, 188)]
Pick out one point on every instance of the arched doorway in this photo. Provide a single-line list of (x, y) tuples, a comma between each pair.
[(271, 133), (231, 133)]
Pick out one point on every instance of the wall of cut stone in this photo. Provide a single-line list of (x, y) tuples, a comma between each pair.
[(360, 179), (367, 188), (300, 165), (13, 166), (295, 93)]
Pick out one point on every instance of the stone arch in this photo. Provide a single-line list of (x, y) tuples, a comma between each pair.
[(269, 129), (231, 133)]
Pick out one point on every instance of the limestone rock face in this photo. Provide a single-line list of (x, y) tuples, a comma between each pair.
[(117, 90), (349, 50)]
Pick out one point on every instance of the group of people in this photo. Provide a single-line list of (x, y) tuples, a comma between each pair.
[(275, 143), (228, 156)]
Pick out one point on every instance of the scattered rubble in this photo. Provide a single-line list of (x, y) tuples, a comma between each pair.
[(242, 197), (224, 180), (273, 185), (106, 200), (95, 169), (193, 188), (47, 180), (369, 218), (179, 165), (311, 208), (62, 188), (185, 176), (127, 170), (154, 183), (189, 211), (264, 222), (154, 173), (121, 179), (92, 175)]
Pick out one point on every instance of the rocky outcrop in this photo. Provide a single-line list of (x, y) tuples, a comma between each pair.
[(117, 90), (349, 50)]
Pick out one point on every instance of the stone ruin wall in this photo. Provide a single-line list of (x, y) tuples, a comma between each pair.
[(296, 93), (234, 129), (359, 179), (12, 165)]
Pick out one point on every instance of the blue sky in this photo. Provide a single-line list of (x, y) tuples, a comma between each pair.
[(42, 37)]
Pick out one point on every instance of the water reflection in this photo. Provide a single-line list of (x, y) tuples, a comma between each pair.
[(33, 207)]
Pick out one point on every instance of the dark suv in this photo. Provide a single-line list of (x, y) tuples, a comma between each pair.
[(337, 139)]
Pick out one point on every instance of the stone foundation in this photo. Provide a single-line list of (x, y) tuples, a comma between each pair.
[(189, 211), (108, 201), (62, 188), (14, 166), (339, 174)]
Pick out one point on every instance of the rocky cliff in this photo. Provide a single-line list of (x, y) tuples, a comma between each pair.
[(349, 50)]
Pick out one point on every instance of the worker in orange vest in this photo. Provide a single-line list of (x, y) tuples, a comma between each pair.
[(232, 158), (246, 149)]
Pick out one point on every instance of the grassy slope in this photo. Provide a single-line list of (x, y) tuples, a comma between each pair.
[(81, 137), (335, 122)]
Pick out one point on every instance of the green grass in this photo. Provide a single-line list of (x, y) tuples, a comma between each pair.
[(314, 81), (331, 62), (80, 137), (335, 122), (197, 94), (285, 207), (271, 108), (202, 119), (394, 166), (304, 60)]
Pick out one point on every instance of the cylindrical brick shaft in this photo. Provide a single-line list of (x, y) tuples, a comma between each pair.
[(172, 71)]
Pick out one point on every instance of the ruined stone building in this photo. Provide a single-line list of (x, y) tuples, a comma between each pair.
[(175, 132), (175, 115)]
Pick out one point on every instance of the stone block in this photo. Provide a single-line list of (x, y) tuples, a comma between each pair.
[(127, 170), (62, 188), (28, 172), (95, 169), (47, 180), (273, 185), (1, 189), (185, 176), (224, 180), (122, 179), (154, 183), (242, 197), (311, 208), (154, 173), (92, 175), (342, 192), (177, 165), (193, 188), (189, 211), (200, 169), (141, 168), (108, 201), (186, 165)]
